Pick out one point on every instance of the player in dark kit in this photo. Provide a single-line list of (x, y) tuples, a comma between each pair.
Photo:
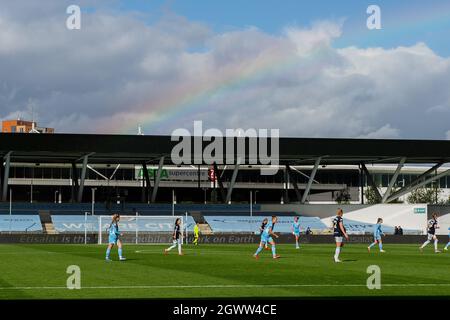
[(176, 236), (339, 233), (432, 226)]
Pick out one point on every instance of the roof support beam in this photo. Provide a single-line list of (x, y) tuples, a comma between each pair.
[(82, 178), (418, 182), (311, 179), (371, 182), (393, 180), (294, 183), (157, 179), (218, 176), (7, 159), (233, 180), (147, 188)]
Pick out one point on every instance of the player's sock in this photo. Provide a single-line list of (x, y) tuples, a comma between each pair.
[(274, 251), (372, 244), (120, 253), (260, 248), (296, 243), (448, 244), (337, 252), (380, 245), (171, 247), (435, 245), (108, 251), (179, 248), (425, 243)]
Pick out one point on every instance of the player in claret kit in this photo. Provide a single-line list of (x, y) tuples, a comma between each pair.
[(432, 226), (266, 237), (296, 231), (339, 233), (176, 237), (377, 234), (114, 237)]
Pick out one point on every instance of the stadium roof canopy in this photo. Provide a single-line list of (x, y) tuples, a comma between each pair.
[(134, 149)]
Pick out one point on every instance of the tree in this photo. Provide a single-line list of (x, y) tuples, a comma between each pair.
[(371, 196), (343, 196), (426, 195)]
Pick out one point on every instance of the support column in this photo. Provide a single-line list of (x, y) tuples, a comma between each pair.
[(74, 187), (219, 181), (286, 185), (233, 180), (157, 179), (7, 159), (418, 183), (393, 180), (148, 186), (370, 181), (82, 179), (294, 183), (311, 179)]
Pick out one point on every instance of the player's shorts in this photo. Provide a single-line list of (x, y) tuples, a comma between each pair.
[(113, 239), (264, 238), (297, 234), (377, 238), (430, 236), (338, 239)]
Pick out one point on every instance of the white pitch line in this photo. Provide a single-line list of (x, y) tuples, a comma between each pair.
[(232, 286)]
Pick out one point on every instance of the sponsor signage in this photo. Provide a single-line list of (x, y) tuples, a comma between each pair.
[(174, 174), (420, 210)]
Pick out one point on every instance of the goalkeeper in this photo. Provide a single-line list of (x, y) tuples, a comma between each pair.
[(196, 233)]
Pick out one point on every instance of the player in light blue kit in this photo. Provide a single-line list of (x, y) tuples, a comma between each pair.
[(114, 237), (266, 237), (448, 244), (296, 231), (377, 234)]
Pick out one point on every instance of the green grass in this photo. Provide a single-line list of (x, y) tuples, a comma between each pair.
[(39, 272)]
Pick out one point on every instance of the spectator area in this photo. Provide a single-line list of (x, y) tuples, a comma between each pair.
[(20, 223), (75, 223), (252, 224)]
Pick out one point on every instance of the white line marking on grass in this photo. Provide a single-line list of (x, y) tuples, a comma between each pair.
[(231, 286)]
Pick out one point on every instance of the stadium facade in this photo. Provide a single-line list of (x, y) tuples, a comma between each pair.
[(75, 168)]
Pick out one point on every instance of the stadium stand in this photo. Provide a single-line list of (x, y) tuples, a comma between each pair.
[(252, 224), (20, 223), (75, 224)]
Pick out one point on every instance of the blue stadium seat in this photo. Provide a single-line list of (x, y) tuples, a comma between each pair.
[(252, 224), (20, 223)]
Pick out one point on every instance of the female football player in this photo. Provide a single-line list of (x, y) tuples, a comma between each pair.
[(377, 234), (296, 231), (114, 237), (339, 233), (266, 237), (432, 226), (261, 231), (176, 237)]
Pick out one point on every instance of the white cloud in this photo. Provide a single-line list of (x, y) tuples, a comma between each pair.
[(447, 135), (118, 72)]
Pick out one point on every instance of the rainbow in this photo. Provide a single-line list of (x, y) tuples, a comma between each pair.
[(187, 99)]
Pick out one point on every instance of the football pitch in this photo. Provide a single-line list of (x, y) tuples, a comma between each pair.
[(38, 271)]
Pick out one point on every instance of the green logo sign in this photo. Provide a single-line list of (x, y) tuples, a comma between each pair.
[(420, 210)]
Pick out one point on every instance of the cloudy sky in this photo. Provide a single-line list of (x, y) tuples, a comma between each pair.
[(311, 69)]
